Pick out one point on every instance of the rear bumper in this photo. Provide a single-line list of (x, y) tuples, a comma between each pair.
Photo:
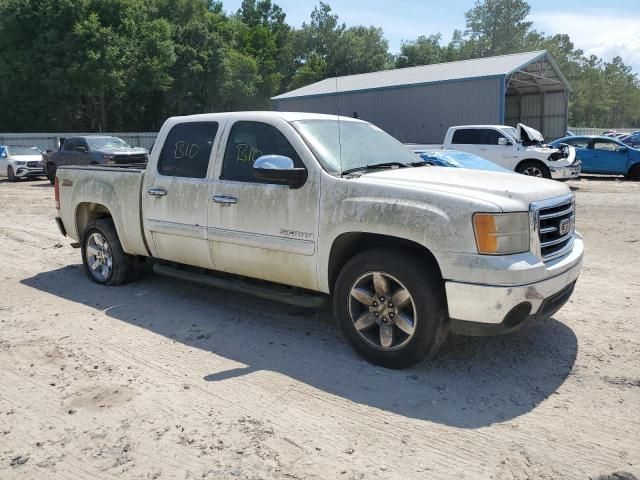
[(477, 309)]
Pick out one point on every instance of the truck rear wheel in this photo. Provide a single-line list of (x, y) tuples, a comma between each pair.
[(102, 256), (534, 168), (390, 307)]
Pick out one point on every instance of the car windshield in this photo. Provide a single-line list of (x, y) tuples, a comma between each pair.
[(511, 131), (19, 150), (347, 145), (98, 143)]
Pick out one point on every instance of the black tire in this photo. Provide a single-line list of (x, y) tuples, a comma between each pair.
[(51, 172), (533, 166), (124, 266), (426, 288), (634, 172), (11, 176)]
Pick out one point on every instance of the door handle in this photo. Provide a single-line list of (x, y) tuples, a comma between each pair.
[(225, 199), (156, 192)]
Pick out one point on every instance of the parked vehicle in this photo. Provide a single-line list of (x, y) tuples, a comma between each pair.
[(604, 155), (407, 252), (19, 161), (632, 140), (92, 150), (456, 159), (520, 149)]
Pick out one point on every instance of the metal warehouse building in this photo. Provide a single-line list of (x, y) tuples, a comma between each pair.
[(419, 104)]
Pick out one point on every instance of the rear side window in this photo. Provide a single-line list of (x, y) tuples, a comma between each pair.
[(187, 149), (468, 136), (248, 141)]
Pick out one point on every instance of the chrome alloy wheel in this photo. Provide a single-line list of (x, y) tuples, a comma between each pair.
[(382, 311), (533, 171), (99, 257)]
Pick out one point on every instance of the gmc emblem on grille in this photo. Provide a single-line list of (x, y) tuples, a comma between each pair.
[(565, 226)]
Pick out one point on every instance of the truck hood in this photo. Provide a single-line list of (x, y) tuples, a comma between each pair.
[(508, 191), (529, 135)]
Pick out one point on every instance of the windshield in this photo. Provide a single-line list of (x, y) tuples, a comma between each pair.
[(98, 143), (511, 131), (23, 151), (358, 144)]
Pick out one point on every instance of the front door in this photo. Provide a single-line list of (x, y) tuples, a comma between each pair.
[(176, 195), (260, 229), (494, 146), (4, 160), (608, 156)]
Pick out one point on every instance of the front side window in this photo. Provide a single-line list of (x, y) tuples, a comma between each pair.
[(247, 142), (578, 142), (187, 149), (70, 144), (491, 137)]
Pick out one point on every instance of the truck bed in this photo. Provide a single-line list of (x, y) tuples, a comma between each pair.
[(115, 189)]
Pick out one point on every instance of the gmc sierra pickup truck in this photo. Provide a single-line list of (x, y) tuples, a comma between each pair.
[(308, 206)]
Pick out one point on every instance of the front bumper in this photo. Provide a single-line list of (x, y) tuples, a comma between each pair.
[(478, 309), (24, 172), (566, 173)]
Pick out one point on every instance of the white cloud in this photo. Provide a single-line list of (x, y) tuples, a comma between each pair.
[(597, 31)]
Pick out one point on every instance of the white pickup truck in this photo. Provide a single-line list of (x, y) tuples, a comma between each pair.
[(520, 148), (318, 205)]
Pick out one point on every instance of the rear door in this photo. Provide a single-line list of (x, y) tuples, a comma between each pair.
[(609, 157), (466, 140), (260, 229), (175, 195)]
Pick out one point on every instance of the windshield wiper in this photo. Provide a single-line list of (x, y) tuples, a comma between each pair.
[(376, 166)]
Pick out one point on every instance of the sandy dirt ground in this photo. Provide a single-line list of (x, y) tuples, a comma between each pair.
[(167, 379)]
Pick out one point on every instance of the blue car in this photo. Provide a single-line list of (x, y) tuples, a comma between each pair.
[(457, 159), (604, 155)]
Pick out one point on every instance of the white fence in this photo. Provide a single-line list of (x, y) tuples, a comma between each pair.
[(599, 131), (49, 141)]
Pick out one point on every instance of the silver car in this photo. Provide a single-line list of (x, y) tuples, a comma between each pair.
[(18, 161)]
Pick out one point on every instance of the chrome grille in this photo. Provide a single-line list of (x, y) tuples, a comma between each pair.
[(554, 221), (134, 158), (34, 164)]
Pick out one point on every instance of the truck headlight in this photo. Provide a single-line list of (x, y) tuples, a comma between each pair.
[(501, 233)]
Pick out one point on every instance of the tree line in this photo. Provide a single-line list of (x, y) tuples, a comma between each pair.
[(126, 65)]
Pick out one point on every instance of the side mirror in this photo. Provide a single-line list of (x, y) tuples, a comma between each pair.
[(623, 150), (82, 149), (504, 142), (279, 169)]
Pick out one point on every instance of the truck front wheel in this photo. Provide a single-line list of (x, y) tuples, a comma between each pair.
[(390, 307), (51, 173), (102, 256), (533, 168)]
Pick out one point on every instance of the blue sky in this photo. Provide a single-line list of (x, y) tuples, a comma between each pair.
[(607, 32)]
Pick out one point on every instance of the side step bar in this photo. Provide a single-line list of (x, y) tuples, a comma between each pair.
[(278, 293)]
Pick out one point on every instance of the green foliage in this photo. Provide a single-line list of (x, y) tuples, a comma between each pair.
[(128, 64)]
